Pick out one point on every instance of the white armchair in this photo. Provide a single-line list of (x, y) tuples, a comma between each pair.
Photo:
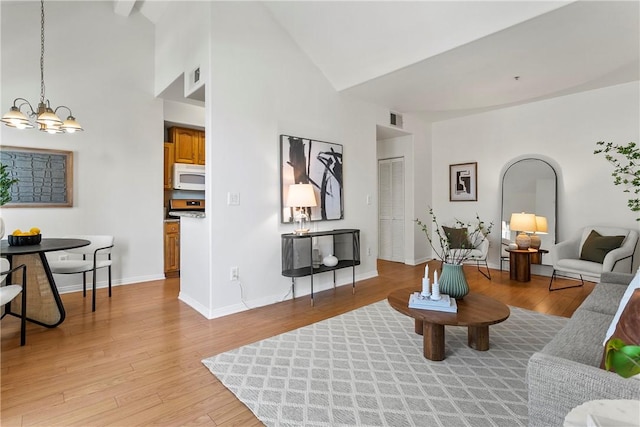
[(566, 255), (477, 255)]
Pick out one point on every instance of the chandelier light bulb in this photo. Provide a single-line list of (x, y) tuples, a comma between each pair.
[(70, 125)]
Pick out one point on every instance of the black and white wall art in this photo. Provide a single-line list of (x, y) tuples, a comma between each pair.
[(463, 182), (307, 161)]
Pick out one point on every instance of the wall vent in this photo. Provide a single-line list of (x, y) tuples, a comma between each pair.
[(196, 76), (395, 119)]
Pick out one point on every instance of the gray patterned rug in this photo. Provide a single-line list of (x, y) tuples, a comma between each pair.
[(366, 368)]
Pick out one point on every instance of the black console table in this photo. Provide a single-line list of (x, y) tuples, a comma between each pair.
[(297, 255)]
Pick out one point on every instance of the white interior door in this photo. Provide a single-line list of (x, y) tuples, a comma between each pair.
[(391, 209)]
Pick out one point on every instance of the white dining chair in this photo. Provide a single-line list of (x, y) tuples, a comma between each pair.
[(94, 256), (9, 292)]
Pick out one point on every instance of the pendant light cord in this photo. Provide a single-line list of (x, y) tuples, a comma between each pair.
[(42, 51)]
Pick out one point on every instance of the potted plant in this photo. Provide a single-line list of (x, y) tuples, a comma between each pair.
[(626, 168), (5, 194), (454, 246)]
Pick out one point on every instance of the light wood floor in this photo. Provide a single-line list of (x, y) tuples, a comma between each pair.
[(137, 359)]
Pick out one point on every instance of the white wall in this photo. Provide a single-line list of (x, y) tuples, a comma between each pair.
[(261, 86), (564, 129), (181, 42), (101, 66), (184, 114)]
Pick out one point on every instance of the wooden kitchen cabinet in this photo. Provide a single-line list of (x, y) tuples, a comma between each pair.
[(169, 160), (171, 248), (188, 145)]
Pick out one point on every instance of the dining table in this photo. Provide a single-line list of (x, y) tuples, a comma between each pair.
[(44, 305)]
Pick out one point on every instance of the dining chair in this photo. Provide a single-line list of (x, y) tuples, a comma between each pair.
[(9, 292), (96, 255)]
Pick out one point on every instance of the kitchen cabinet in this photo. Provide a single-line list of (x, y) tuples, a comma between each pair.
[(171, 248), (188, 145), (169, 160), (297, 255)]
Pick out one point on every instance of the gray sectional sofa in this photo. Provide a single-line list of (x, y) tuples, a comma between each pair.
[(566, 373)]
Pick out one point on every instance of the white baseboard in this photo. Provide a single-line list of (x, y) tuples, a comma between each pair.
[(77, 287)]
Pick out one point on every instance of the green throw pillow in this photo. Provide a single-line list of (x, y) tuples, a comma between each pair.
[(458, 238), (596, 247)]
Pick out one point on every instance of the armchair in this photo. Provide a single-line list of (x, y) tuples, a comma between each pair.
[(568, 256), (477, 255)]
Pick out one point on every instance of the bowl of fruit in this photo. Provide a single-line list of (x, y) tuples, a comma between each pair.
[(25, 238)]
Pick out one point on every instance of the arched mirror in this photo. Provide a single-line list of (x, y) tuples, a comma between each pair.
[(529, 185)]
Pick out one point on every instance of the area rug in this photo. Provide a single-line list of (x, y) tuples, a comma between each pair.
[(366, 368)]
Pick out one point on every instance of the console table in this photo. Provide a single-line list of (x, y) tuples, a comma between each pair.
[(297, 254)]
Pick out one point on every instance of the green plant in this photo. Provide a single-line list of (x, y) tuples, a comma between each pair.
[(626, 163), (624, 359), (476, 234), (5, 185)]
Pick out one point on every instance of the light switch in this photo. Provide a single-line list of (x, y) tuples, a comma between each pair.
[(233, 199)]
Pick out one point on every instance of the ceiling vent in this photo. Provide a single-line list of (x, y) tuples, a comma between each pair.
[(395, 119)]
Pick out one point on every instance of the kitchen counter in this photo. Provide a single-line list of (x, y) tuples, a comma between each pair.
[(189, 214)]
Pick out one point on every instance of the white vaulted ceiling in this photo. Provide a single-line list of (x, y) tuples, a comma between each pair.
[(443, 59)]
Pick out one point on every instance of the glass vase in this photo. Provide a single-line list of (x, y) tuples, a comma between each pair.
[(453, 281)]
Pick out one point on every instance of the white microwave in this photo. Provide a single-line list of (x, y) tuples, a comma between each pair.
[(188, 177)]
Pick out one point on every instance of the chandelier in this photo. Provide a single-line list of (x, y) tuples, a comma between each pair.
[(45, 117)]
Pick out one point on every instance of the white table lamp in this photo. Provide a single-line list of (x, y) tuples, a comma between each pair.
[(541, 228), (301, 196), (524, 223)]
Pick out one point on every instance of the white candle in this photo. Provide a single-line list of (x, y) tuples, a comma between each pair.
[(425, 287), (436, 291), (435, 277), (426, 271)]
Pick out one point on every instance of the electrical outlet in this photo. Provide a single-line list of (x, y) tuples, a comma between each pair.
[(234, 273), (369, 250)]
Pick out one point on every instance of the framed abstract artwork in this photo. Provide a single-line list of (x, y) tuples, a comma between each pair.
[(307, 161), (463, 182), (45, 177)]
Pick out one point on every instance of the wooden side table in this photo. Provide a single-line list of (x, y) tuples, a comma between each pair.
[(520, 264), (536, 255)]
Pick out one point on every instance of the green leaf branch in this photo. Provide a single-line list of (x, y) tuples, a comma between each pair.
[(5, 185), (626, 169), (623, 359)]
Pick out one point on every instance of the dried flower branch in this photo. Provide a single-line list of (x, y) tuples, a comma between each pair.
[(476, 234)]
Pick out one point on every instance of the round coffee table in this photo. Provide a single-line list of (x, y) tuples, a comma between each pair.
[(475, 311)]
